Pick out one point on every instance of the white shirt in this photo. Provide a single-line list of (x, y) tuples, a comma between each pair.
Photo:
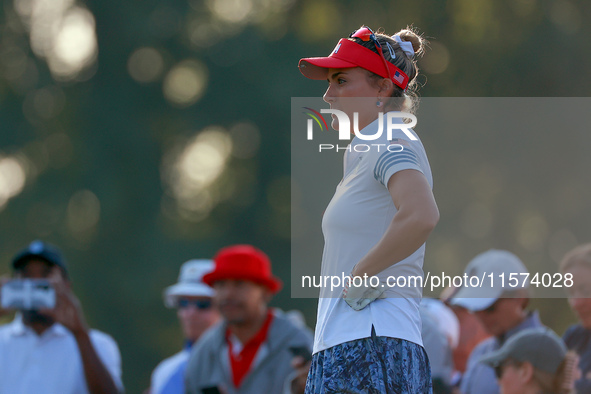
[(49, 363), (166, 369), (354, 221)]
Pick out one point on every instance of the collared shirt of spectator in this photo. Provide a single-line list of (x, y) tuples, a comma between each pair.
[(252, 350), (193, 301), (54, 350), (501, 310)]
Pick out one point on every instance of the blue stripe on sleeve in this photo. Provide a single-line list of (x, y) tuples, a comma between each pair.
[(390, 159), (380, 177), (387, 160), (388, 155)]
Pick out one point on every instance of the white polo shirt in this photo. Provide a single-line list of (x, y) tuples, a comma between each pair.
[(50, 363), (167, 370), (354, 221)]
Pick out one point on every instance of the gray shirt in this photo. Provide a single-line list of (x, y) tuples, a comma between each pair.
[(271, 371)]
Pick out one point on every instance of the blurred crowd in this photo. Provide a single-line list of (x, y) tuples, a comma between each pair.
[(482, 340)]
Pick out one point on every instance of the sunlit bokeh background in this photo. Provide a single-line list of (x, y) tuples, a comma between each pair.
[(138, 136)]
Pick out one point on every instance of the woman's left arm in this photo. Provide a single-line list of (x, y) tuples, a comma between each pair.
[(416, 217)]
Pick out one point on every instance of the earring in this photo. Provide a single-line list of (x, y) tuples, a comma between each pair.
[(379, 103)]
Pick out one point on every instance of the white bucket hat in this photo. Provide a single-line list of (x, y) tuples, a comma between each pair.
[(190, 282)]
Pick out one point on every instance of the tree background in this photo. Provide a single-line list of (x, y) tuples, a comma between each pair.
[(137, 135)]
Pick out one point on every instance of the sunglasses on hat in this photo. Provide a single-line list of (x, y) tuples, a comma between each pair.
[(365, 34)]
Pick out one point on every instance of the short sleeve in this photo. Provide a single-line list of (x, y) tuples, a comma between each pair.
[(108, 352), (391, 162)]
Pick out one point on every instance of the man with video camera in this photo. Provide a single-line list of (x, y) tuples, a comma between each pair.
[(48, 347)]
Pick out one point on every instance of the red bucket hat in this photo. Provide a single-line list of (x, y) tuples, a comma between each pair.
[(243, 262), (348, 54)]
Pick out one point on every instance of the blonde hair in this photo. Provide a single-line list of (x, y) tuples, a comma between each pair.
[(579, 255), (561, 382), (408, 65)]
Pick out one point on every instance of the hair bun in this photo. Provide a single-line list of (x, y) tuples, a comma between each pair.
[(418, 42)]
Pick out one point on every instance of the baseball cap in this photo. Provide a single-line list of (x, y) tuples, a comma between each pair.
[(190, 282), (498, 263), (42, 251), (541, 347)]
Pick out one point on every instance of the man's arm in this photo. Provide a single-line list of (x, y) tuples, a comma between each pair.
[(297, 385), (68, 312), (98, 378)]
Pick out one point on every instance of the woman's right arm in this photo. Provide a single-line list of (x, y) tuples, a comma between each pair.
[(416, 217)]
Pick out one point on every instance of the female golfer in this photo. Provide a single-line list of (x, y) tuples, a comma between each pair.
[(368, 338), (534, 361)]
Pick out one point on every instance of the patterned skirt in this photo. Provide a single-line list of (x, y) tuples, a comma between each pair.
[(380, 365)]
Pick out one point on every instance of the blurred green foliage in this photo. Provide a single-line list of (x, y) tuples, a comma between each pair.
[(93, 133)]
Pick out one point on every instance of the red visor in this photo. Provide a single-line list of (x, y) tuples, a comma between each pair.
[(347, 54)]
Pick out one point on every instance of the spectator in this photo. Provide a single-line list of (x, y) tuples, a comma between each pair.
[(440, 330), (501, 309), (533, 361), (194, 304), (249, 352), (54, 351), (578, 337), (471, 333)]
